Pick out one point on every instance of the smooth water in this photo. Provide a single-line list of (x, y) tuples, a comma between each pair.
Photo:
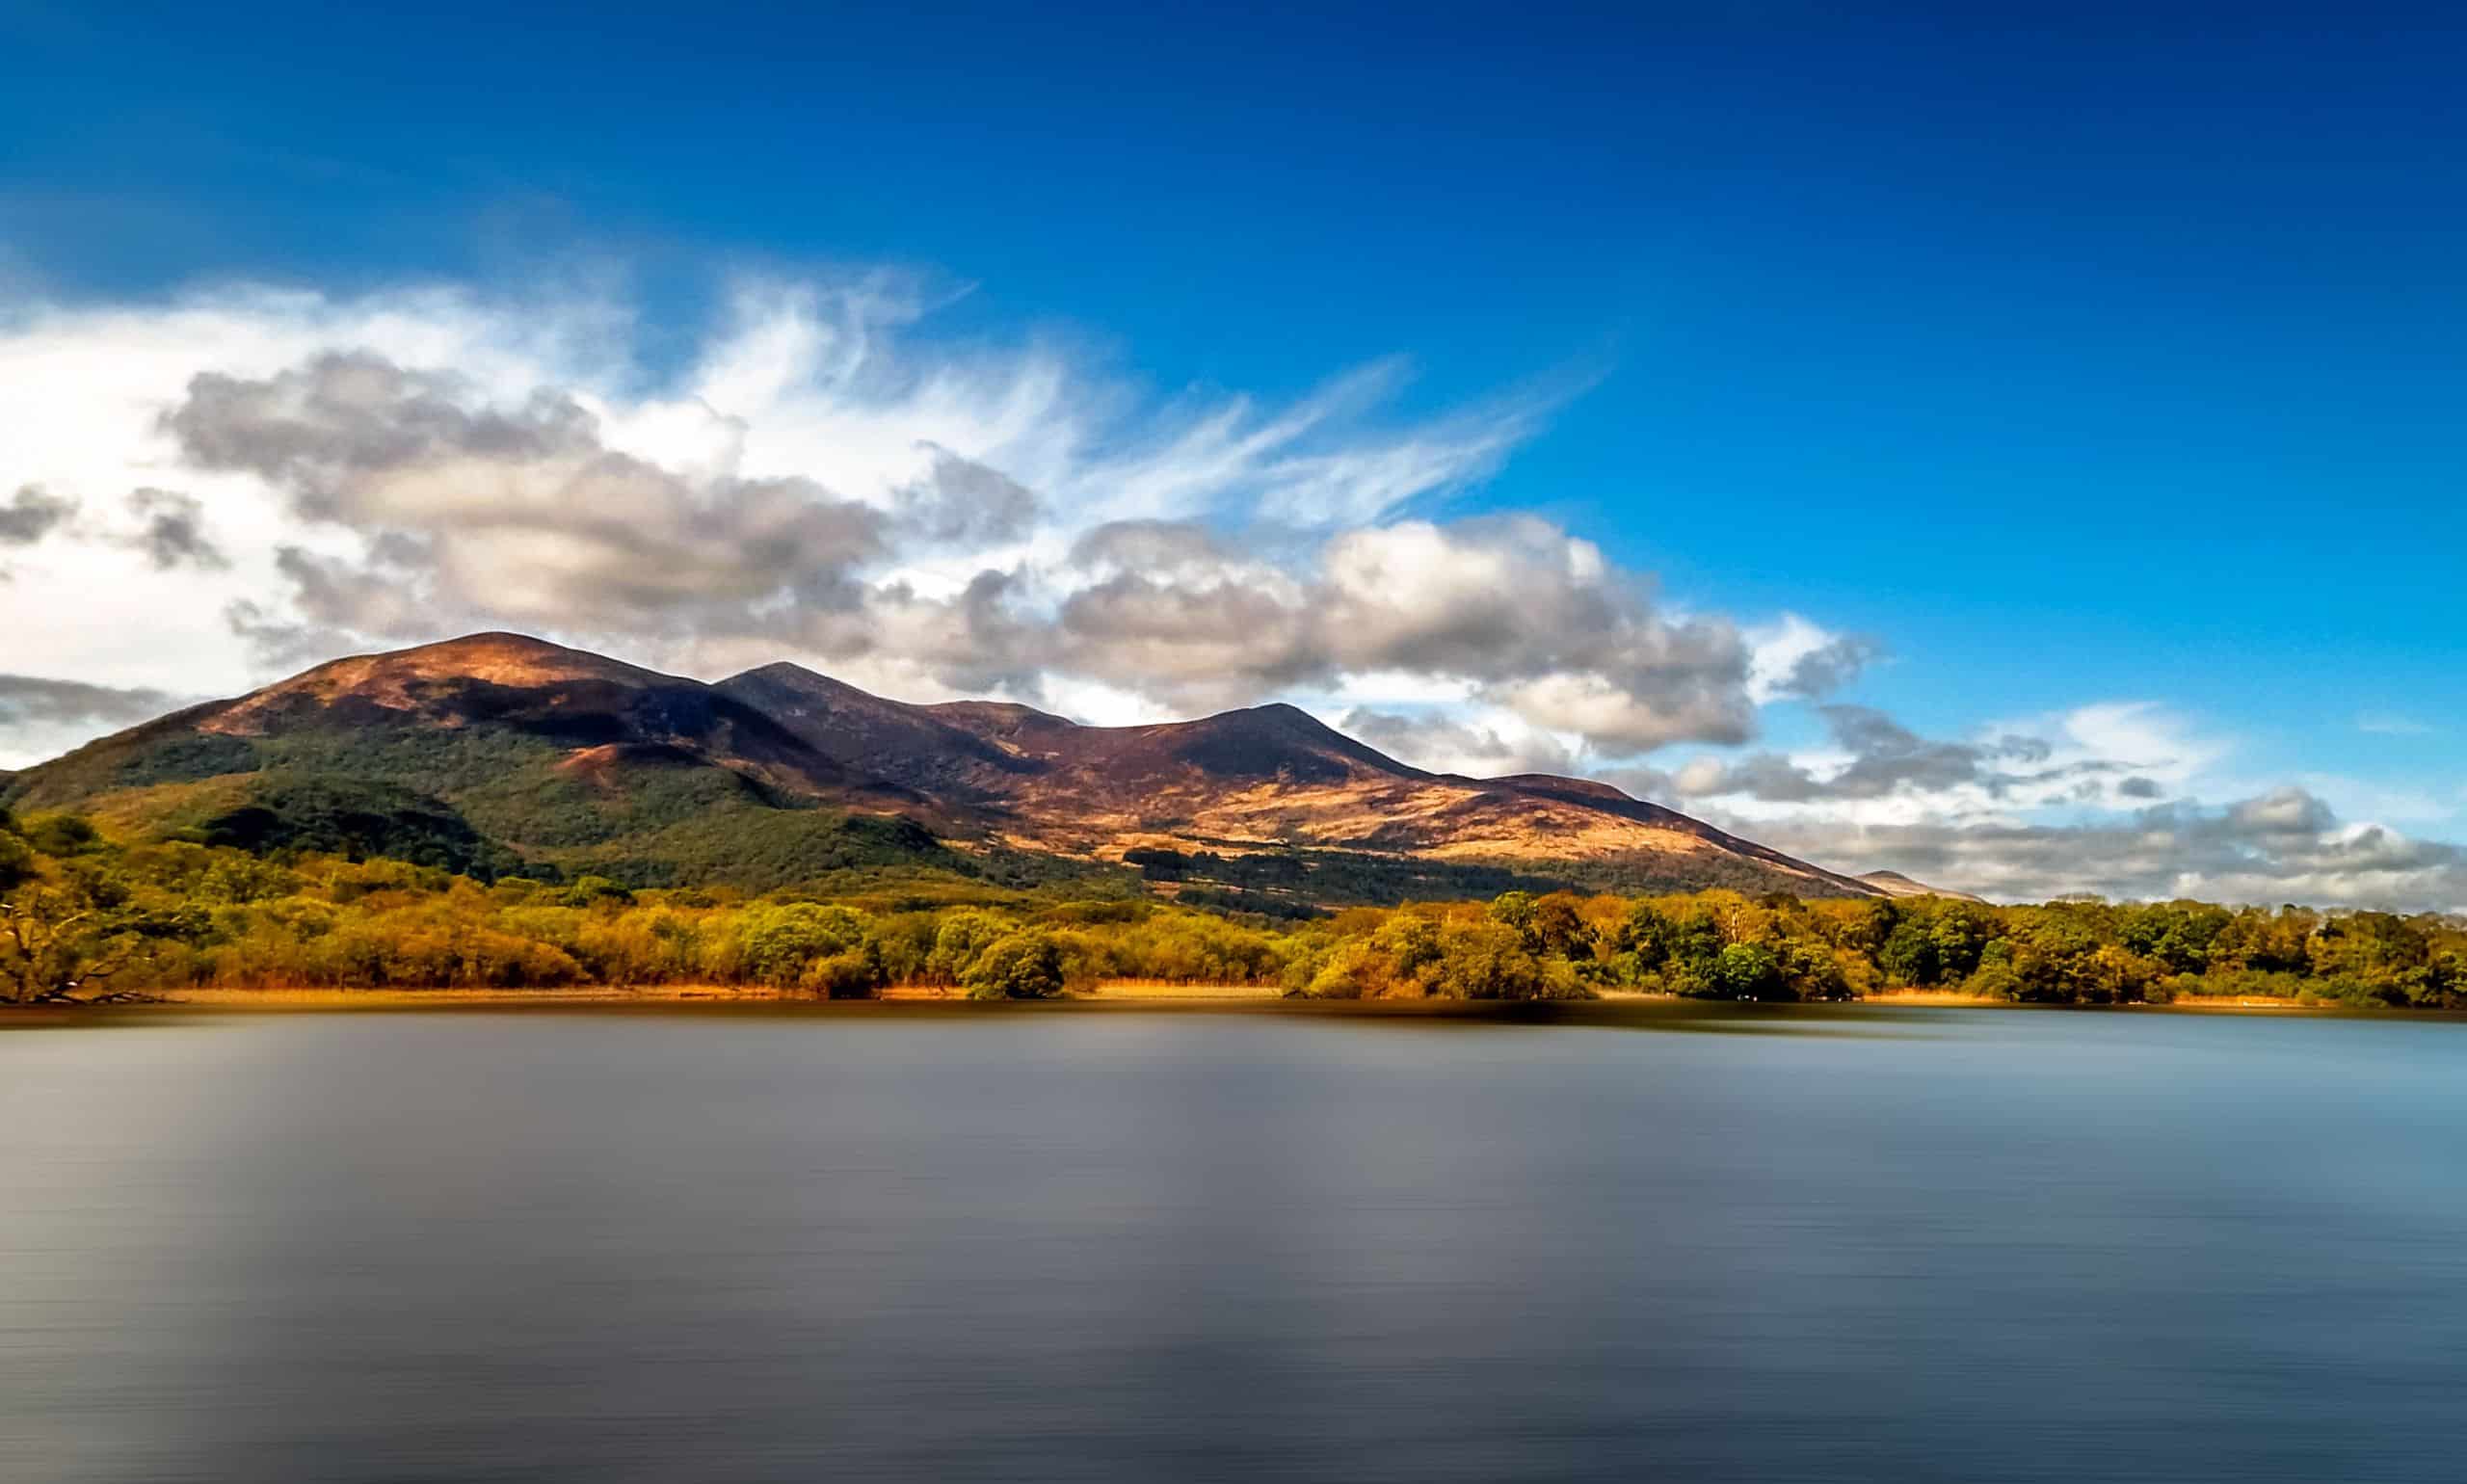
[(1082, 1245)]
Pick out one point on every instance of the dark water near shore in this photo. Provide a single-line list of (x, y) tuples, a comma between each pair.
[(1886, 1245)]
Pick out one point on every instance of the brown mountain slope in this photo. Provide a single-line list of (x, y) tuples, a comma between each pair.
[(1266, 778)]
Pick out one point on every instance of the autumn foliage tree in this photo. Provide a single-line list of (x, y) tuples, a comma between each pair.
[(70, 927)]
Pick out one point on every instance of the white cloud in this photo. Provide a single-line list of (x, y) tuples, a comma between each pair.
[(2390, 724), (1477, 742), (2281, 847), (1793, 656)]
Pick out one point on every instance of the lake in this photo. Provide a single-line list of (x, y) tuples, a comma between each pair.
[(1073, 1243)]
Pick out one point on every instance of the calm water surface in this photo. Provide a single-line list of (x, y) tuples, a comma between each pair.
[(1097, 1245)]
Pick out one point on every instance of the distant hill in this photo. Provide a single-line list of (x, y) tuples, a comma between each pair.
[(499, 752), (1895, 883)]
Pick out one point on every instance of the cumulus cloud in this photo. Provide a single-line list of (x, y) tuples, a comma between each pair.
[(32, 515), (1875, 756), (961, 502), (25, 698), (2283, 846), (171, 531), (2105, 799), (523, 515), (343, 413), (38, 716), (518, 514), (1794, 657), (1529, 618), (1490, 746)]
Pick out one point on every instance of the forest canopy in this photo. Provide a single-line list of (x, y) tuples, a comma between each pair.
[(84, 916)]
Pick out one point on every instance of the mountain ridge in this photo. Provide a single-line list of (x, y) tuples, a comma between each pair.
[(572, 761)]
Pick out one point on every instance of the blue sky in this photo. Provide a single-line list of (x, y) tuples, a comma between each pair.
[(2075, 355)]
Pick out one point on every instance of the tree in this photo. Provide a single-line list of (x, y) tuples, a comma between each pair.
[(69, 928), (1349, 971), (2114, 973), (1645, 938), (597, 890), (1810, 971), (853, 973), (1749, 971), (962, 936), (1559, 928), (1909, 954), (1960, 934), (1516, 910), (777, 944), (1487, 960), (1410, 941), (1027, 964)]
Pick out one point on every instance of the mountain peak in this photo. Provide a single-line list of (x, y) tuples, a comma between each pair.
[(500, 649), (405, 679), (1275, 740), (1895, 883), (497, 656)]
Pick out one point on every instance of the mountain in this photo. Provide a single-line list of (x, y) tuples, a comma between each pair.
[(1895, 883), (1262, 778), (492, 753), (499, 752)]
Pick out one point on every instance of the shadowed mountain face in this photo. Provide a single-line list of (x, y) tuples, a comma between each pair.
[(510, 753)]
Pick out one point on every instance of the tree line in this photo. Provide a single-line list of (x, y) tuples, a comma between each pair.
[(83, 916)]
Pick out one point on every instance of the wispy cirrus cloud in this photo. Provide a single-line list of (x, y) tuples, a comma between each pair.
[(2391, 724)]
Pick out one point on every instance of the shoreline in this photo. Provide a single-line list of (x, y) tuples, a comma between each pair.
[(1120, 995)]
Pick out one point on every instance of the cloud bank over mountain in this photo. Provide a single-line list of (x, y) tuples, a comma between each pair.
[(824, 478)]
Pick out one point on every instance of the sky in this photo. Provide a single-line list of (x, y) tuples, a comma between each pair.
[(2020, 449)]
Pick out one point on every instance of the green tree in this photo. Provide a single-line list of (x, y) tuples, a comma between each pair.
[(70, 928), (1645, 936), (1908, 955), (1749, 971), (962, 936), (777, 944), (1958, 936), (851, 973), (1026, 964)]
